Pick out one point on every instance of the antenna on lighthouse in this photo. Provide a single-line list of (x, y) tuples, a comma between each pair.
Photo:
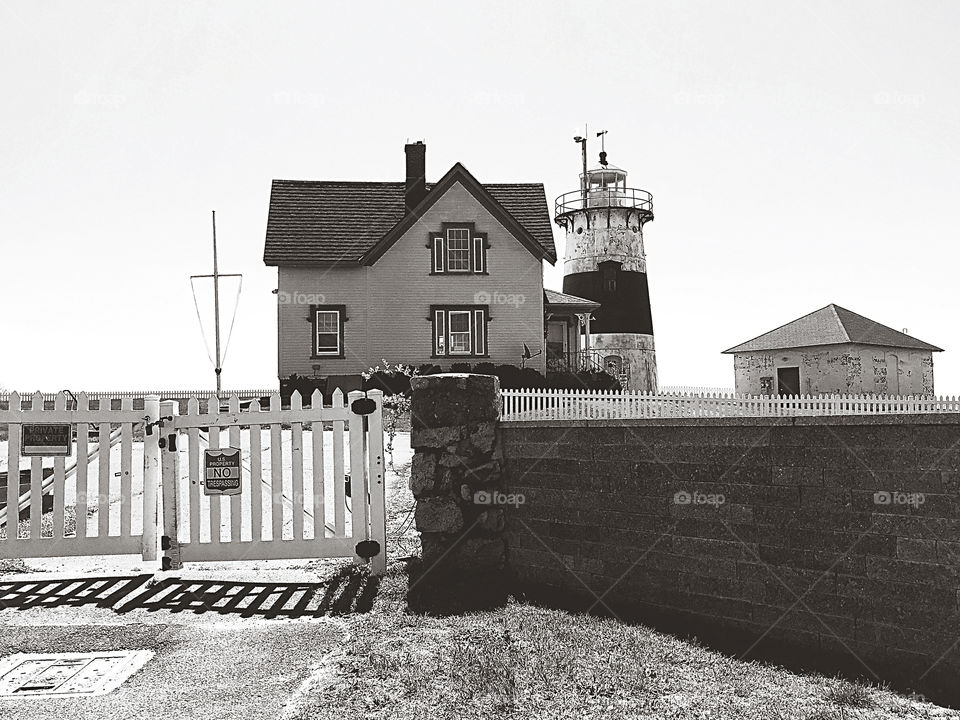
[(603, 150), (582, 139)]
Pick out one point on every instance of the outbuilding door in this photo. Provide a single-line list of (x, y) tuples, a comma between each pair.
[(788, 381)]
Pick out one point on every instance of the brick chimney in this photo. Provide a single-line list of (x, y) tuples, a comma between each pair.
[(416, 187)]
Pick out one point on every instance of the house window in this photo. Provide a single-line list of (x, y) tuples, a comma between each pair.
[(459, 330), (328, 330), (458, 249)]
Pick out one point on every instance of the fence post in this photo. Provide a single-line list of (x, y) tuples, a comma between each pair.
[(151, 477), (170, 475), (376, 485)]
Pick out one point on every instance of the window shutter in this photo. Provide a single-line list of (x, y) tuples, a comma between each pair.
[(439, 333), (479, 332), (479, 254), (438, 254)]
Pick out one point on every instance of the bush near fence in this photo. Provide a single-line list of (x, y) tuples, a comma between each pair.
[(837, 541), (511, 377)]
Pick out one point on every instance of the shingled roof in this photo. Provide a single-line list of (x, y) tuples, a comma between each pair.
[(333, 221), (559, 299), (832, 325)]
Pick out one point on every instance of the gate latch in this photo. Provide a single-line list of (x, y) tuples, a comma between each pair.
[(363, 406)]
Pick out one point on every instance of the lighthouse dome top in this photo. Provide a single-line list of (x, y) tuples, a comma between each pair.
[(606, 176)]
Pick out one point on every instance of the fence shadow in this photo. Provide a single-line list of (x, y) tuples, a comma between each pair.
[(349, 590)]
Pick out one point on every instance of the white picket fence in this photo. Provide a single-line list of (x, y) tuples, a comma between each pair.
[(694, 390), (139, 394), (549, 404), (107, 523), (292, 502)]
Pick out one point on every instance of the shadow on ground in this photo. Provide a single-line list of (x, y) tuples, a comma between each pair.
[(349, 590)]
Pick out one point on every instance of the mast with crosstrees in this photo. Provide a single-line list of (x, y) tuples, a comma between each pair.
[(218, 362)]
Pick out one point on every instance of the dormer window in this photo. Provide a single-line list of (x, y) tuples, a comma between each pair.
[(458, 248)]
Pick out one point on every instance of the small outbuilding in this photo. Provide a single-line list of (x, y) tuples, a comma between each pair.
[(833, 351)]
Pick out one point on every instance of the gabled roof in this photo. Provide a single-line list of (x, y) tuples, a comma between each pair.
[(569, 302), (317, 222), (832, 325)]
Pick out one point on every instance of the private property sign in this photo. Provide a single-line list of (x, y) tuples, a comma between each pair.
[(221, 471), (46, 439)]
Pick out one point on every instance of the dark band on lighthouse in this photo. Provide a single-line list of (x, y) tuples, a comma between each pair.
[(624, 300)]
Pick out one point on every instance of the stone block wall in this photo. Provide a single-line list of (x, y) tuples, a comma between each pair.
[(835, 539)]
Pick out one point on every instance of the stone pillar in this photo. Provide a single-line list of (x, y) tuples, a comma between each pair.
[(455, 479)]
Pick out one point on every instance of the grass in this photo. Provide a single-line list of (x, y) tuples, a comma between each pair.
[(527, 662)]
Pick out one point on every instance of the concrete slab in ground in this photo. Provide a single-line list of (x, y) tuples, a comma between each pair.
[(227, 644)]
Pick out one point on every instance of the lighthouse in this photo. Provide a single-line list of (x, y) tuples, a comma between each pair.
[(605, 262)]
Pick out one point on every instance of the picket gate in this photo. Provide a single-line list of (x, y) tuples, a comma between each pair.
[(293, 498)]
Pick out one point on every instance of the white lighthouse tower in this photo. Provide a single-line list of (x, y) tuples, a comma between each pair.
[(605, 262)]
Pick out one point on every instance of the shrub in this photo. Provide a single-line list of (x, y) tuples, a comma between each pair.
[(305, 385), (584, 380), (509, 376), (485, 368), (428, 369), (531, 378), (390, 382), (460, 367)]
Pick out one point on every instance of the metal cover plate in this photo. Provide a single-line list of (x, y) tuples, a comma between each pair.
[(68, 674)]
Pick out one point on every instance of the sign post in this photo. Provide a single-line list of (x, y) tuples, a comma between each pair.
[(221, 471)]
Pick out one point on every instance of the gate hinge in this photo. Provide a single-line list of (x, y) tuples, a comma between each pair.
[(164, 542), (148, 426), (367, 549)]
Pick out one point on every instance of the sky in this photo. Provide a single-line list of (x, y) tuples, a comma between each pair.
[(799, 154)]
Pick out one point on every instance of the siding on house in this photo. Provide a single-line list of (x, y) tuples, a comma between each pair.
[(388, 303), (840, 369)]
